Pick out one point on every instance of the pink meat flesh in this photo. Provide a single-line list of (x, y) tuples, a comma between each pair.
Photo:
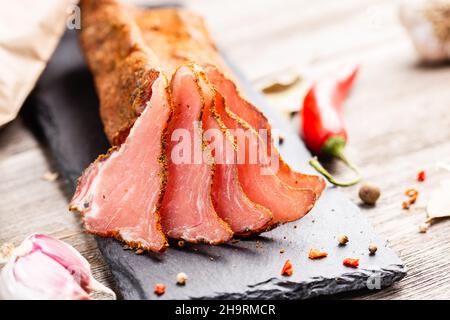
[(119, 194), (259, 181), (231, 203), (187, 211), (250, 114)]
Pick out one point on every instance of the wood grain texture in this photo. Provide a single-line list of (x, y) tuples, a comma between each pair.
[(398, 118)]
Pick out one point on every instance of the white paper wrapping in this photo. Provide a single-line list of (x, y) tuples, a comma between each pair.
[(29, 33)]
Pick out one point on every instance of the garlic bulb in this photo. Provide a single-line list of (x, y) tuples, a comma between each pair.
[(46, 268), (428, 24)]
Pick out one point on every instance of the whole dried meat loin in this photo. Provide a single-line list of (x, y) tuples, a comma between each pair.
[(256, 119), (126, 46), (124, 68), (258, 176), (119, 195), (187, 210), (231, 203)]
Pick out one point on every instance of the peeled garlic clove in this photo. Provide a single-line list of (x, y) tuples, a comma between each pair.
[(46, 268), (416, 16)]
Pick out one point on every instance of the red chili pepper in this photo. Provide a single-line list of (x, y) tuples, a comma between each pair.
[(322, 123)]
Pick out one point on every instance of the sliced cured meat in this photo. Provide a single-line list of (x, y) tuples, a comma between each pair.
[(231, 203), (187, 210), (259, 178), (119, 195), (256, 120)]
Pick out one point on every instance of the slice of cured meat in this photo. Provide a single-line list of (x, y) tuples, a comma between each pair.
[(187, 210), (119, 195), (256, 120), (231, 203), (258, 176)]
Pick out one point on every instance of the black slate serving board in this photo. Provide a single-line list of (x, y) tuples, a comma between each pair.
[(65, 108)]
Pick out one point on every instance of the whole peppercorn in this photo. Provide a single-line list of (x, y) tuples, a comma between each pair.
[(181, 278), (373, 248), (342, 239), (369, 194)]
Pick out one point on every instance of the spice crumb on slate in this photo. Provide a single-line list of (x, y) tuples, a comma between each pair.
[(234, 241), (181, 243), (139, 251), (50, 176), (181, 278), (373, 248), (160, 289), (317, 254), (350, 262), (288, 268), (342, 239), (421, 176), (282, 251)]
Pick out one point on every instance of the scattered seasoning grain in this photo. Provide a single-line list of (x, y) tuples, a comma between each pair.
[(421, 176), (280, 140), (234, 241), (317, 254), (352, 263), (342, 239), (373, 248), (211, 258), (181, 243), (160, 289), (6, 250), (295, 227), (423, 227), (139, 251), (412, 194), (288, 268), (50, 176), (293, 114), (181, 278), (281, 251)]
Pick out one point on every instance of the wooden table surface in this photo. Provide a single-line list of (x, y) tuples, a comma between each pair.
[(398, 118)]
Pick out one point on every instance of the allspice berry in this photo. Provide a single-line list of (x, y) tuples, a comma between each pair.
[(373, 248), (369, 194), (342, 239)]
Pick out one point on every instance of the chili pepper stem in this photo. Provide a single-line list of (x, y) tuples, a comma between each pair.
[(337, 151)]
